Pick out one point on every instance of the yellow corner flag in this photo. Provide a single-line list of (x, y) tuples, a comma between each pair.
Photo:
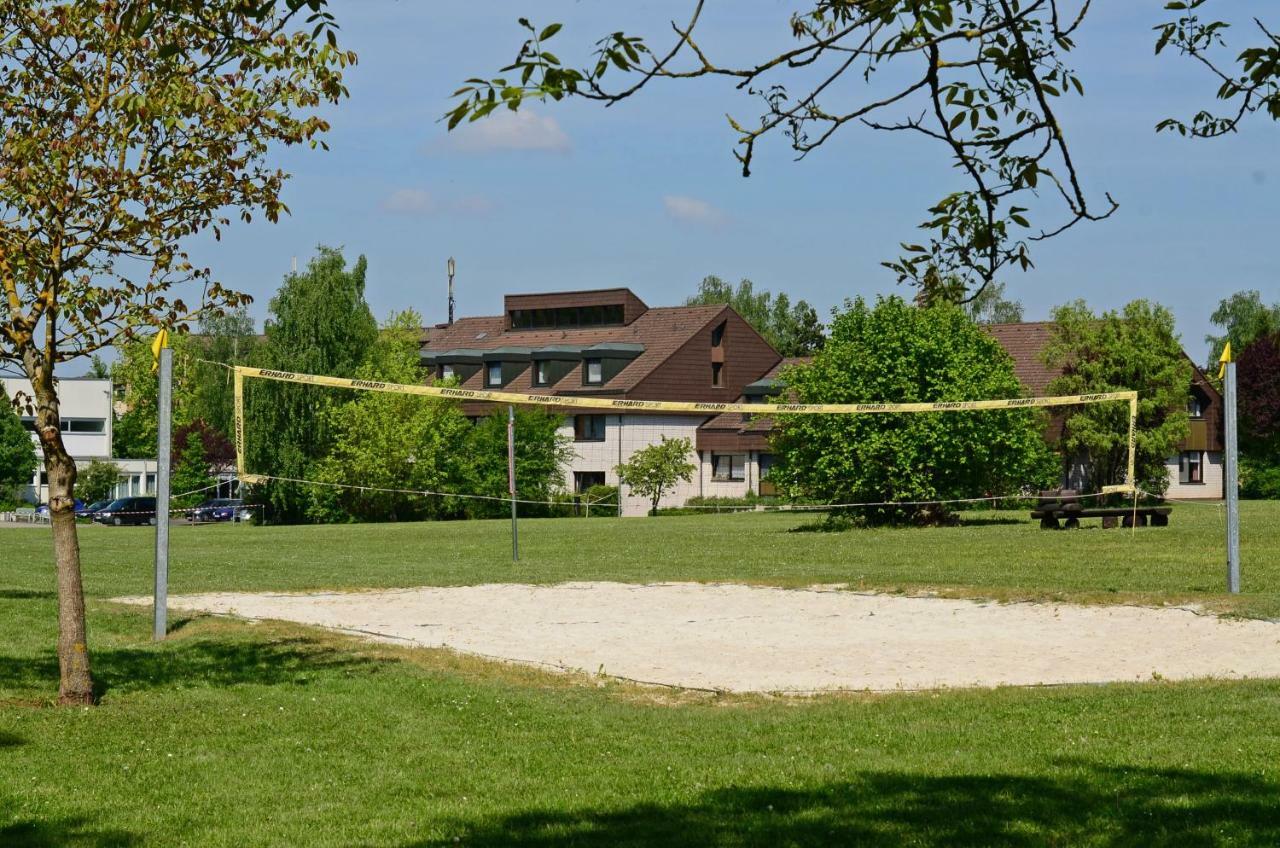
[(161, 342), (1224, 359)]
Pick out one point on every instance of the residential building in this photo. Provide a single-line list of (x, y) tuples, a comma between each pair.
[(1195, 470), (609, 343), (733, 447), (85, 405)]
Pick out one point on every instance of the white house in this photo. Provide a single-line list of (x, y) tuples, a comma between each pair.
[(86, 414)]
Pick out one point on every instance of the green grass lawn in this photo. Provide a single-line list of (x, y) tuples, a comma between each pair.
[(239, 734)]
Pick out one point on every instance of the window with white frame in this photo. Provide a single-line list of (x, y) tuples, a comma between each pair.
[(446, 372), (728, 466), (593, 371), (493, 374), (1191, 467)]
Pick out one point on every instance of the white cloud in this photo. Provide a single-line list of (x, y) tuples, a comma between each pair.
[(418, 202), (409, 201), (691, 210), (507, 130)]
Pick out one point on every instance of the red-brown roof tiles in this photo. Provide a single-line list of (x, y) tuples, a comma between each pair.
[(661, 330)]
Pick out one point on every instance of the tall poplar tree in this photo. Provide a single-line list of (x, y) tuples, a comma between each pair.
[(319, 324)]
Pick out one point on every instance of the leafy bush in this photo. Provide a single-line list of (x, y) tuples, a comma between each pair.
[(700, 505), (541, 454), (1259, 479), (191, 479), (898, 353), (96, 480), (18, 461), (603, 500), (1137, 349)]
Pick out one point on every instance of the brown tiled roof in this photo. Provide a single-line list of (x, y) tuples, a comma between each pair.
[(662, 330), (754, 423), (1024, 342)]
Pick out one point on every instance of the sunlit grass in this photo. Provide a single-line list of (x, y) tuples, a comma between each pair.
[(238, 734)]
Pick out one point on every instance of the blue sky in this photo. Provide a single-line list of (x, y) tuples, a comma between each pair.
[(647, 194)]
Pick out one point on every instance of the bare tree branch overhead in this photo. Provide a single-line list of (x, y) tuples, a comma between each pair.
[(982, 78)]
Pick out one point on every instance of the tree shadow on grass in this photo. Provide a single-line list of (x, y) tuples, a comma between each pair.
[(962, 521), (1084, 804), (26, 595), (190, 663), (971, 520), (64, 833), (8, 740)]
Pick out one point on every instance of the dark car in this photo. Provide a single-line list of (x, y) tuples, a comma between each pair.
[(88, 511), (218, 509), (136, 510)]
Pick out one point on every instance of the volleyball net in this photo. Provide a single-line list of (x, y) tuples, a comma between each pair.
[(558, 402)]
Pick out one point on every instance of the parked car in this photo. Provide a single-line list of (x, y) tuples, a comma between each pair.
[(88, 511), (43, 509), (135, 510), (219, 509)]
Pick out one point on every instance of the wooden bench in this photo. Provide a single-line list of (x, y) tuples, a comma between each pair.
[(1066, 509)]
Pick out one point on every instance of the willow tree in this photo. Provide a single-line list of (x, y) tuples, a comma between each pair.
[(126, 128)]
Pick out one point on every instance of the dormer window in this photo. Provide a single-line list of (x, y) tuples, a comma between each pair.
[(493, 374), (592, 371), (541, 372), (566, 317), (446, 372)]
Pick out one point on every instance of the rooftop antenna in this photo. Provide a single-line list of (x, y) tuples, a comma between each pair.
[(295, 264), (452, 266)]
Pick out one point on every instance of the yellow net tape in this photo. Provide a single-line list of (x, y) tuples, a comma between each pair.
[(704, 408)]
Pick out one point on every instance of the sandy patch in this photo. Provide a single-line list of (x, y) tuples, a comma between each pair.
[(756, 639)]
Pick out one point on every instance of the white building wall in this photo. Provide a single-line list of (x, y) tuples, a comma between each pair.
[(624, 435), (79, 400), (710, 487), (1213, 473), (137, 477)]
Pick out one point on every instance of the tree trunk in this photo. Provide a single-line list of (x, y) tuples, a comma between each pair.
[(76, 684)]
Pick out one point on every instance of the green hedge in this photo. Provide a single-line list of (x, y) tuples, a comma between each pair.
[(1259, 479)]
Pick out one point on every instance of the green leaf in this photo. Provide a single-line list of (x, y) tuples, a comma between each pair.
[(548, 31)]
